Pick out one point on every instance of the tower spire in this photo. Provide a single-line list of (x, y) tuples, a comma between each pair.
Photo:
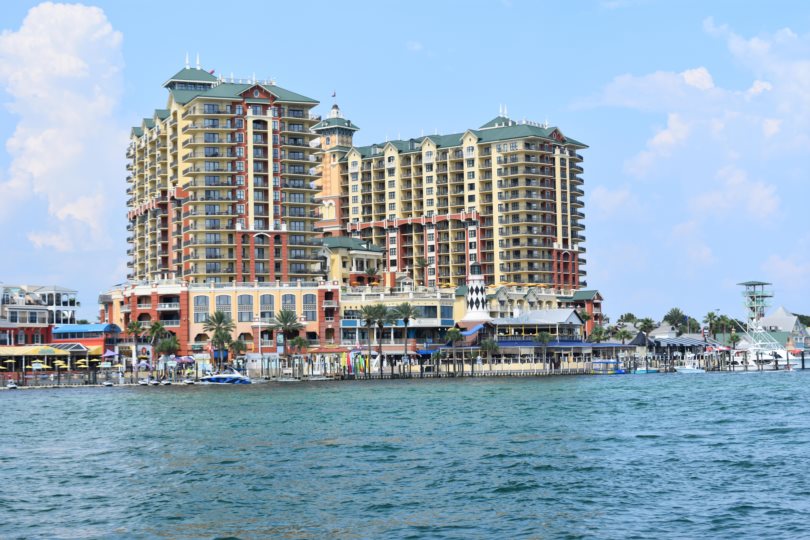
[(198, 61), (186, 59)]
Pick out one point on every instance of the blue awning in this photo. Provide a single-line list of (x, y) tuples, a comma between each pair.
[(86, 328)]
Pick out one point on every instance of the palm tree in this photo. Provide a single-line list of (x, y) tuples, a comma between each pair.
[(299, 345), (383, 317), (156, 332), (543, 338), (238, 348), (675, 317), (489, 347), (406, 312), (598, 335), (627, 318), (134, 329), (371, 275), (368, 315), (645, 326), (168, 346), (623, 334), (585, 316), (286, 322), (421, 264), (221, 327), (453, 336), (733, 339), (711, 320)]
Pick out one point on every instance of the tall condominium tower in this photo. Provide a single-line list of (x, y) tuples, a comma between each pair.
[(222, 184), (503, 200)]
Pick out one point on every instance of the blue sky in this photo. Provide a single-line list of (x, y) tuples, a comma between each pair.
[(697, 115)]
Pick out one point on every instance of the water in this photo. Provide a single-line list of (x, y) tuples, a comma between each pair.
[(645, 456)]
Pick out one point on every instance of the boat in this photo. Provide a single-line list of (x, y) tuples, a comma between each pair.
[(11, 385), (143, 382), (189, 381), (642, 370), (107, 383), (166, 382), (229, 376), (154, 382), (689, 368), (607, 367)]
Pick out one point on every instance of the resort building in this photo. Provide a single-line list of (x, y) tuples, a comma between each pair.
[(506, 196), (28, 312), (222, 185), (512, 301), (183, 308)]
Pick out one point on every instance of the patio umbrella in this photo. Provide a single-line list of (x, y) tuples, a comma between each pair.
[(109, 354)]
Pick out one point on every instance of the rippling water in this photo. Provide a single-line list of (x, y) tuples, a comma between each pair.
[(644, 456)]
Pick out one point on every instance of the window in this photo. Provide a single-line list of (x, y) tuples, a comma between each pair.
[(223, 304), (428, 155), (310, 307), (429, 191), (429, 202), (354, 188), (473, 246), (288, 302), (355, 199), (471, 175), (472, 233), (245, 308), (392, 195), (392, 184), (431, 236), (355, 210), (392, 251), (470, 150), (470, 198), (429, 179), (470, 163), (266, 306), (392, 206)]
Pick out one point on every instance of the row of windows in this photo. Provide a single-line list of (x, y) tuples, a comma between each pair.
[(245, 306)]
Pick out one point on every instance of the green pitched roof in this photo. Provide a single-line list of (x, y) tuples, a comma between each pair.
[(192, 75), (461, 290), (162, 114), (137, 131), (347, 242), (335, 122), (149, 123), (233, 90), (498, 120)]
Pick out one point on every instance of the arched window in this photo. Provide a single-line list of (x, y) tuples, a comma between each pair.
[(200, 309), (310, 307), (266, 307), (288, 302), (223, 304), (244, 308)]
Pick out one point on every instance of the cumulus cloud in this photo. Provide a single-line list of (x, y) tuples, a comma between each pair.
[(738, 195), (660, 145), (608, 203), (700, 78), (62, 70), (789, 272)]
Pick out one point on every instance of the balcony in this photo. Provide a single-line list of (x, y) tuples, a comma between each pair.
[(169, 306)]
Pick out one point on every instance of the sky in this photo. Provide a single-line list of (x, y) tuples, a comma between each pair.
[(697, 115)]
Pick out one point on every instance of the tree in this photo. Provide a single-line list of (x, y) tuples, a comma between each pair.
[(734, 339), (711, 321), (453, 336), (286, 322), (675, 317), (168, 346), (372, 274), (298, 345), (598, 335), (585, 316), (645, 325), (156, 333), (135, 329), (382, 317), (221, 326), (489, 347), (406, 312), (368, 314), (543, 338), (421, 264), (627, 318), (623, 334), (238, 347)]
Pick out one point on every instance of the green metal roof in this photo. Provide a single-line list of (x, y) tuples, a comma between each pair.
[(461, 290), (347, 242), (162, 114), (137, 131), (753, 283), (149, 123), (581, 295), (335, 122), (233, 90), (498, 120), (192, 75)]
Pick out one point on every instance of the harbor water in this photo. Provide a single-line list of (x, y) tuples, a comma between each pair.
[(635, 456)]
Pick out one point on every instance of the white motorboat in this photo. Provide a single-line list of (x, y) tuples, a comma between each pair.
[(11, 385), (143, 382), (107, 383), (229, 376), (189, 381), (689, 368)]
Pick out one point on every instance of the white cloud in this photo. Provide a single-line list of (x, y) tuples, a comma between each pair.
[(788, 272), (687, 239), (757, 88), (770, 126), (700, 78), (737, 195), (661, 145), (607, 203), (62, 71)]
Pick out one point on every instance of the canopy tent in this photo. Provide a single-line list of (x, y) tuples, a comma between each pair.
[(109, 354), (18, 351)]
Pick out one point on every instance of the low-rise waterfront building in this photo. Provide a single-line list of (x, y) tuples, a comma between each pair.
[(28, 312)]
